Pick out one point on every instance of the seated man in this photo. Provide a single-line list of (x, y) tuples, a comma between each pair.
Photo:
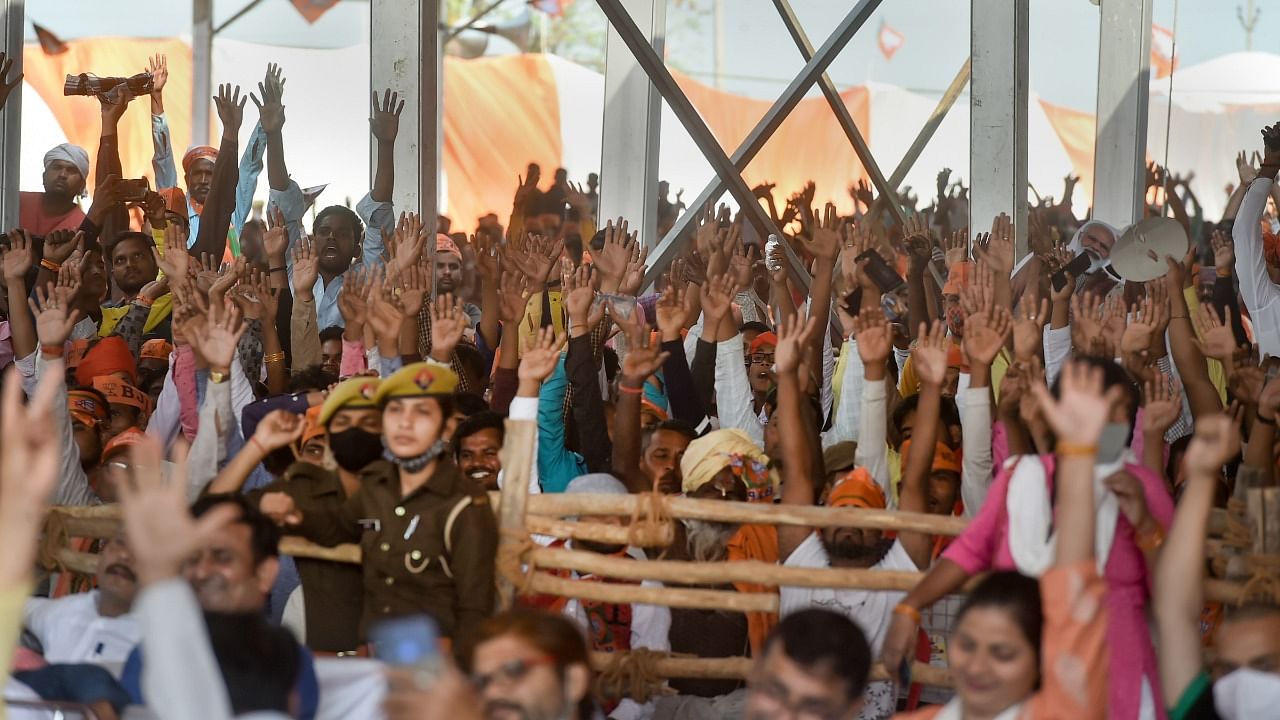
[(815, 663), (132, 263), (92, 627), (232, 576), (533, 665), (477, 444)]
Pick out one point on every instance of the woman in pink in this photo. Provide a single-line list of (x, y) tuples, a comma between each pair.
[(1013, 531), (1022, 650)]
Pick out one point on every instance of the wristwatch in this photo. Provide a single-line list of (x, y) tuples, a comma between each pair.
[(217, 376)]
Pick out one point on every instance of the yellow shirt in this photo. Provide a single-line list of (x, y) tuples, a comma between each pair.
[(160, 310)]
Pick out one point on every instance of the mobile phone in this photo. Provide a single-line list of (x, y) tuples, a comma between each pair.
[(412, 641), (879, 271), (1076, 267), (623, 305), (134, 190)]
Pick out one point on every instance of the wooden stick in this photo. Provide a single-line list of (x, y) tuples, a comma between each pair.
[(739, 668), (545, 584), (299, 547), (746, 571), (566, 504), (599, 532), (517, 460)]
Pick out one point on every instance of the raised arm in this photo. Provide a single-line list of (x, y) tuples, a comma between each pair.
[(166, 172), (1180, 573), (277, 430), (874, 341), (271, 116), (797, 432), (215, 220), (985, 333), (586, 404), (930, 358)]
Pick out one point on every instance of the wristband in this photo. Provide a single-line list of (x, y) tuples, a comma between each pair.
[(278, 268), (143, 301), (274, 357), (50, 265), (1222, 272), (1263, 420), (631, 390), (261, 448), (55, 351), (907, 611), (1066, 449)]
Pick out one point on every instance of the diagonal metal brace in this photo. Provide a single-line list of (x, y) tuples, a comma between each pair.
[(728, 172), (836, 102)]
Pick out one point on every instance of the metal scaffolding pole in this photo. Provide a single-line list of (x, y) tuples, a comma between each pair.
[(1120, 150), (405, 57), (998, 116), (202, 69), (632, 124), (728, 171), (836, 102), (11, 25)]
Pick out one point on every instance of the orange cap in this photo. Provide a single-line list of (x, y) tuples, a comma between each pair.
[(957, 280), (122, 442), (857, 489), (313, 428), (944, 458)]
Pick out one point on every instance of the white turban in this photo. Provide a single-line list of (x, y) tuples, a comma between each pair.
[(73, 154)]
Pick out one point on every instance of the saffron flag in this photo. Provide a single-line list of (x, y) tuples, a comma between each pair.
[(51, 44), (890, 40), (1162, 60)]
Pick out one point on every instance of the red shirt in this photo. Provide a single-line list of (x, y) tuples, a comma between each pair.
[(33, 219)]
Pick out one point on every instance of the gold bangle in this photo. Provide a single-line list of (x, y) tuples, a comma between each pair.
[(50, 265), (274, 357), (1149, 541), (1066, 449), (907, 611)]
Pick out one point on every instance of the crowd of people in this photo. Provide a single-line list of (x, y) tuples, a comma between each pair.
[(230, 376)]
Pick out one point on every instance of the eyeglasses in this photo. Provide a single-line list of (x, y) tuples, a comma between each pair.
[(510, 672), (760, 359)]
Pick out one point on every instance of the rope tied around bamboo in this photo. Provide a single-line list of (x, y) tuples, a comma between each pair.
[(650, 521), (634, 674), (514, 561)]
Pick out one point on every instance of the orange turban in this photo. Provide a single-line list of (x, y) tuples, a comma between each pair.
[(944, 458), (957, 280), (122, 442), (764, 338), (86, 408), (199, 152), (109, 356), (857, 489), (313, 429), (955, 358), (445, 244), (157, 349)]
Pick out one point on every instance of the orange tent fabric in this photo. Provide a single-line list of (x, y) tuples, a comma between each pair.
[(809, 145), (79, 116), (500, 114)]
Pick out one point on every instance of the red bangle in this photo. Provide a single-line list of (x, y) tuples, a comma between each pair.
[(259, 445), (56, 351), (631, 390)]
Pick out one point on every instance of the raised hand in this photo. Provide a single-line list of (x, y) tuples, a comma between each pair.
[(271, 105), (354, 298), (114, 103), (384, 120), (229, 274), (930, 354), (956, 248), (59, 244), (386, 316), (29, 455), (488, 262), (19, 256), (643, 357), (1216, 441), (1246, 379), (279, 429), (54, 316), (280, 508), (633, 276), (539, 256), (998, 248), (1138, 333), (985, 333), (1217, 339), (579, 294), (407, 243), (513, 296), (448, 321), (540, 358), (704, 236), (255, 298), (1224, 252), (415, 283), (1245, 169), (230, 109), (1082, 409), (1086, 323), (1269, 399), (306, 266), (611, 260), (823, 241), (794, 335), (217, 344), (1028, 324), (1161, 406), (979, 295), (1113, 323), (159, 527), (158, 66), (717, 297), (6, 84), (874, 336)]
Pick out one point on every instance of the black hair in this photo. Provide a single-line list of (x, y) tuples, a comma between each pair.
[(828, 642), (753, 325), (357, 227), (671, 425), (264, 536), (260, 662), (597, 240), (145, 239), (333, 332), (1014, 593), (313, 377), (483, 420), (468, 404), (1112, 375), (947, 410)]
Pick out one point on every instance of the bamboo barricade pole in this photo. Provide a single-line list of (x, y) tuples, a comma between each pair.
[(739, 668), (696, 598), (517, 460)]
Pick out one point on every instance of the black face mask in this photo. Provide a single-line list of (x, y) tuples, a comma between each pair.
[(354, 448)]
